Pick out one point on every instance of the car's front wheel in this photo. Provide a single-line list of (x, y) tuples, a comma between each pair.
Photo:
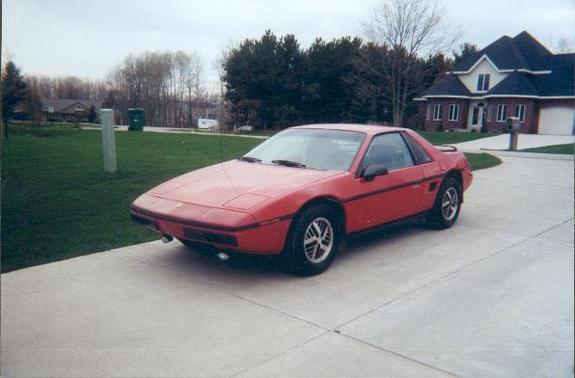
[(313, 242), (447, 205)]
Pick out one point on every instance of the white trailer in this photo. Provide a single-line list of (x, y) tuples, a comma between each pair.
[(207, 124)]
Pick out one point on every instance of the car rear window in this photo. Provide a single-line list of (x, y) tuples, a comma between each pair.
[(420, 156)]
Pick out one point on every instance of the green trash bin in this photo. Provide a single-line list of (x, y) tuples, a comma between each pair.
[(136, 119)]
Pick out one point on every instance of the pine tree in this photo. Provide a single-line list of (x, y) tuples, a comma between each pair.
[(14, 90), (92, 114)]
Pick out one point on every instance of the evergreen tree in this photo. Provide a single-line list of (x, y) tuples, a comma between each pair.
[(465, 50), (92, 114), (14, 90)]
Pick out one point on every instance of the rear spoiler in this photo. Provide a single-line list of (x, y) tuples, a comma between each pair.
[(447, 148)]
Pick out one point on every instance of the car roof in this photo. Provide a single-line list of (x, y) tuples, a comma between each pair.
[(368, 129)]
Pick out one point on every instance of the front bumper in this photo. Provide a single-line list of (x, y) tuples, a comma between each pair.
[(265, 238)]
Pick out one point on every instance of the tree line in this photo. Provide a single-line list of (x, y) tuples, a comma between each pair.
[(169, 86), (271, 81)]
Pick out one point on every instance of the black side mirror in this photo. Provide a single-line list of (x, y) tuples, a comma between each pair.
[(374, 170)]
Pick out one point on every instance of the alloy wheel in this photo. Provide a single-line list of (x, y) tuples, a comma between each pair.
[(318, 240), (450, 203)]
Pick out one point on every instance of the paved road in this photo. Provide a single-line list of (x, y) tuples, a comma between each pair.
[(491, 297), (501, 142), (182, 130)]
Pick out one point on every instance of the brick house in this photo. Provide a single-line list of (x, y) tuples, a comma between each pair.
[(510, 77)]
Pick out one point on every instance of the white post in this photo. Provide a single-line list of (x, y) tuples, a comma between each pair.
[(108, 140)]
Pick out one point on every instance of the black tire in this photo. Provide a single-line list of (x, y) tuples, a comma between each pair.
[(440, 216), (295, 259)]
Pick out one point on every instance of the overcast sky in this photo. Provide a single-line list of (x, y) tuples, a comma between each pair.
[(87, 38)]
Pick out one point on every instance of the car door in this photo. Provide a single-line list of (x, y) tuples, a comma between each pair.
[(431, 171), (394, 195)]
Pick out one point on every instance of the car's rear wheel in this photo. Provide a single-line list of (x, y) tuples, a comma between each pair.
[(313, 242), (447, 205)]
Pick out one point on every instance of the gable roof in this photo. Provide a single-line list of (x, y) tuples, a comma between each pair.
[(533, 71), (521, 52), (517, 83), (561, 81), (449, 85), (67, 104)]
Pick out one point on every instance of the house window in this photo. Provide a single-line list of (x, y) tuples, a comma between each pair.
[(50, 109), (501, 113), (453, 112), (520, 112), (488, 113), (483, 82), (437, 112)]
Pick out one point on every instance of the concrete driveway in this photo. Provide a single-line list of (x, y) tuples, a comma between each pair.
[(501, 142), (492, 296)]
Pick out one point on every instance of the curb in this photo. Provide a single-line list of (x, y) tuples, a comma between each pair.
[(523, 155)]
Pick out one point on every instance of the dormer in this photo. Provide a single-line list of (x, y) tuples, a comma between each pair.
[(481, 76)]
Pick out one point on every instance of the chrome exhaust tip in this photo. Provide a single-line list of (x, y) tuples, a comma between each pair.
[(223, 256), (167, 238)]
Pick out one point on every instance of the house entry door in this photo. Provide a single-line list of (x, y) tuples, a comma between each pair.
[(476, 117)]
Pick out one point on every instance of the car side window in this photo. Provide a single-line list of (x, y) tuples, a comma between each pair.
[(388, 150), (419, 154)]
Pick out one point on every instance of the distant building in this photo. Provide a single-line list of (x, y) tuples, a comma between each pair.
[(57, 109), (511, 77)]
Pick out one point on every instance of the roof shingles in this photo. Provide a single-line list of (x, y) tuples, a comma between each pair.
[(522, 53)]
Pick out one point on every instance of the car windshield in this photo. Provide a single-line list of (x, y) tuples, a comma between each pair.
[(310, 148)]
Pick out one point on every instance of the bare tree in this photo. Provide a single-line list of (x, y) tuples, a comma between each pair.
[(168, 85), (219, 67), (405, 30)]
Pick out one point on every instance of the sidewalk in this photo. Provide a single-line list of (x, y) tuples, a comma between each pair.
[(501, 142)]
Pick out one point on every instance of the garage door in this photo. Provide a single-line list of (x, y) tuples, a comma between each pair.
[(557, 120)]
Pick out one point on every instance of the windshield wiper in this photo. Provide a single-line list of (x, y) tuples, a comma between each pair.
[(289, 163), (250, 159)]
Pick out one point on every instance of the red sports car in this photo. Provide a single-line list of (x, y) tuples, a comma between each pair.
[(302, 191)]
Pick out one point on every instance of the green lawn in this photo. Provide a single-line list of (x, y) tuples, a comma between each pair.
[(563, 149), (57, 202), (435, 137), (481, 160)]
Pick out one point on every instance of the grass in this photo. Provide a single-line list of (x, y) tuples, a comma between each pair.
[(437, 138), (58, 203), (481, 161), (563, 149)]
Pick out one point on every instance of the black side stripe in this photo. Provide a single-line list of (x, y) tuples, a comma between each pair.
[(391, 188), (138, 211)]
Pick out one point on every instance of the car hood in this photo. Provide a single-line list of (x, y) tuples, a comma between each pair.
[(237, 184)]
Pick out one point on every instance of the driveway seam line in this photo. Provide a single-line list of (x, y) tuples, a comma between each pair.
[(441, 278), (397, 354), (237, 296), (280, 354), (325, 329), (552, 227)]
